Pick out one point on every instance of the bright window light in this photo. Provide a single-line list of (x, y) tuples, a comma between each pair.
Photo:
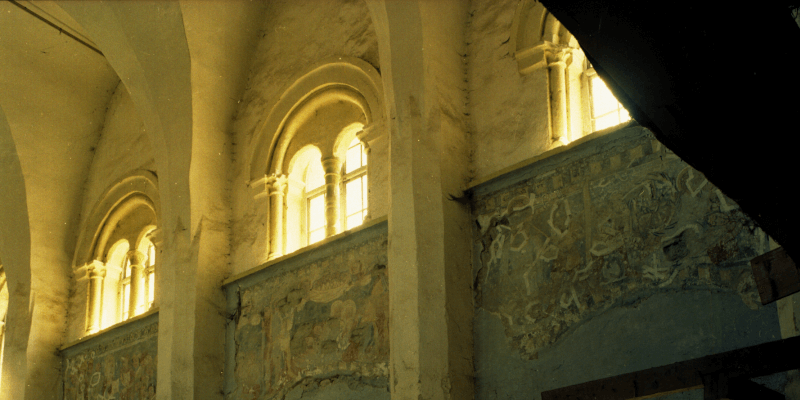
[(315, 202), (355, 184), (606, 110), (316, 218)]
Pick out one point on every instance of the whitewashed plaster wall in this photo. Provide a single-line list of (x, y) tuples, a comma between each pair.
[(123, 147), (508, 110), (296, 35)]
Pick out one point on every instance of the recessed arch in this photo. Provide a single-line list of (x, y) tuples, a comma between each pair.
[(338, 78), (138, 189)]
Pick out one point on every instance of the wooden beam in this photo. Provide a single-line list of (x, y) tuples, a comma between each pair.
[(776, 275), (736, 365)]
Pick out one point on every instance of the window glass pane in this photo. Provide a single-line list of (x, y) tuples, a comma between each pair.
[(354, 197), (316, 213), (355, 220), (606, 121), (316, 236), (126, 297), (354, 159), (603, 100), (127, 271), (315, 176)]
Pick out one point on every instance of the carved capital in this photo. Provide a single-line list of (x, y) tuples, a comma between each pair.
[(277, 185), (96, 269), (137, 258), (559, 56)]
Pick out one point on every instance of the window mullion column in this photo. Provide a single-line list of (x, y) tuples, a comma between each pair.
[(277, 196), (97, 273), (333, 180), (137, 291), (557, 61)]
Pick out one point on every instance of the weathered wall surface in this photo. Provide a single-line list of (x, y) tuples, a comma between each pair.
[(297, 35), (119, 364), (313, 326), (508, 111), (609, 257)]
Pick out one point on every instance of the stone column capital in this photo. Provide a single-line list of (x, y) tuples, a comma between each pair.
[(277, 184), (331, 164), (137, 257), (559, 56)]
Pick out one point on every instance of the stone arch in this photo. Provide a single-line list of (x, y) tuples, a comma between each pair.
[(139, 188), (338, 79)]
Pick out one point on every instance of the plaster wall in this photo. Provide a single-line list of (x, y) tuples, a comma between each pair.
[(123, 147), (508, 111), (610, 256), (314, 325), (120, 363), (295, 36)]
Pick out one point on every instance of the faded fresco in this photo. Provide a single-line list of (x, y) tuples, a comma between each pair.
[(584, 234), (121, 368), (321, 324)]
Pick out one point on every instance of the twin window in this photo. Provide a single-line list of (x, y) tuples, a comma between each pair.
[(353, 198)]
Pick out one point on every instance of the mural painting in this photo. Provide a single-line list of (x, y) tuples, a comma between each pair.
[(588, 233), (322, 323), (120, 368)]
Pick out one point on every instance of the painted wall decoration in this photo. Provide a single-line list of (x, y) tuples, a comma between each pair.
[(114, 366), (584, 231), (316, 326)]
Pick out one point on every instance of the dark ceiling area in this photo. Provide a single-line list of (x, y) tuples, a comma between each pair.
[(716, 83)]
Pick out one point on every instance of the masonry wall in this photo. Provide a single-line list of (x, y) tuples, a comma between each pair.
[(119, 364), (508, 111), (607, 257), (313, 325)]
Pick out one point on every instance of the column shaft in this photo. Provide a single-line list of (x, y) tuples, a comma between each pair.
[(97, 274), (333, 181), (277, 194), (136, 300)]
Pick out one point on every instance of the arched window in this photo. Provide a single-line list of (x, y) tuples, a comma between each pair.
[(578, 101), (323, 110)]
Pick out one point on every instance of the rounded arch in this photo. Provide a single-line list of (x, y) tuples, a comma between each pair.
[(339, 78), (139, 189), (344, 139)]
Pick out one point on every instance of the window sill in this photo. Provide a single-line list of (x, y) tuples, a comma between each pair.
[(550, 153), (115, 327), (306, 250)]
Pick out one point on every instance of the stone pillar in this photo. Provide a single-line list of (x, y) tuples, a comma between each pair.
[(333, 181), (373, 136), (136, 305), (97, 274), (277, 196), (557, 62), (157, 239)]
